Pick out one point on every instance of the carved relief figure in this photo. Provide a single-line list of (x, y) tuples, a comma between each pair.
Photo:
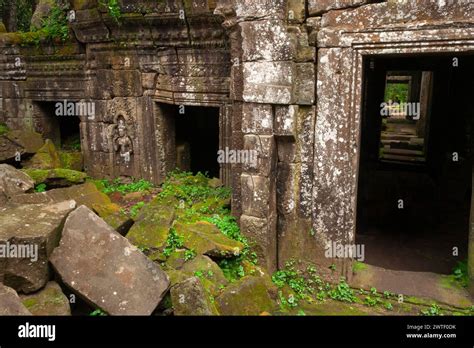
[(123, 145)]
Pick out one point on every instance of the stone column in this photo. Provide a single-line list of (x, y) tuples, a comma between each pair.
[(267, 75)]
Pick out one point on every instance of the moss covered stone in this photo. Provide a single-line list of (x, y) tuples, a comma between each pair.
[(71, 160), (190, 297), (204, 267), (104, 210), (84, 194), (151, 228), (176, 259), (45, 158), (56, 177), (48, 301), (248, 296), (119, 221), (205, 238), (31, 142)]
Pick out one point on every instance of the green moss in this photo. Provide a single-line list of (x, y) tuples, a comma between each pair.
[(99, 184), (71, 160), (358, 266), (38, 175), (66, 175), (248, 296), (46, 157), (152, 228), (30, 302), (3, 129)]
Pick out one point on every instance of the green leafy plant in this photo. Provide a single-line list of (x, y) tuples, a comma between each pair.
[(97, 313), (113, 9), (200, 202), (54, 27), (460, 274), (434, 310), (40, 187), (303, 283), (227, 225), (342, 292), (136, 208), (232, 268), (289, 302), (189, 255), (117, 186), (370, 301), (173, 242)]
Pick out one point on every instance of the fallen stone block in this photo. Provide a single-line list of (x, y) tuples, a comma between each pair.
[(56, 177), (22, 142), (191, 298), (248, 296), (105, 269), (10, 302), (206, 239), (46, 157), (13, 182), (86, 194), (28, 235), (151, 228), (206, 268), (48, 301)]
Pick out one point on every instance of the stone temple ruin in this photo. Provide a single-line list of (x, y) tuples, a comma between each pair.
[(300, 82)]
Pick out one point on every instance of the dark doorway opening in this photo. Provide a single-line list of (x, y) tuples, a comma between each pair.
[(190, 135), (415, 166), (63, 130)]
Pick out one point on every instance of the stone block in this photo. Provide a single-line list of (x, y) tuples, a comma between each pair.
[(266, 40), (256, 196), (105, 269), (261, 232), (257, 119), (118, 83), (296, 11), (28, 235), (10, 302), (286, 120), (251, 9), (268, 82), (317, 7), (261, 154), (305, 84)]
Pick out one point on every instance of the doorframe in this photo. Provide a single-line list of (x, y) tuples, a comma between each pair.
[(339, 110)]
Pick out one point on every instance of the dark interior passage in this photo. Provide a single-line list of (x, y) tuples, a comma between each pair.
[(63, 130), (191, 138), (198, 128), (415, 174)]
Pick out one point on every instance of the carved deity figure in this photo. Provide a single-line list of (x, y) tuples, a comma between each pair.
[(122, 142)]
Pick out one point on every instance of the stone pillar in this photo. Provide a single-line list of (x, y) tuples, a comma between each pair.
[(273, 75)]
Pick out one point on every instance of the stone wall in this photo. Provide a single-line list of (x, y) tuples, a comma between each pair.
[(296, 84), (285, 73)]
